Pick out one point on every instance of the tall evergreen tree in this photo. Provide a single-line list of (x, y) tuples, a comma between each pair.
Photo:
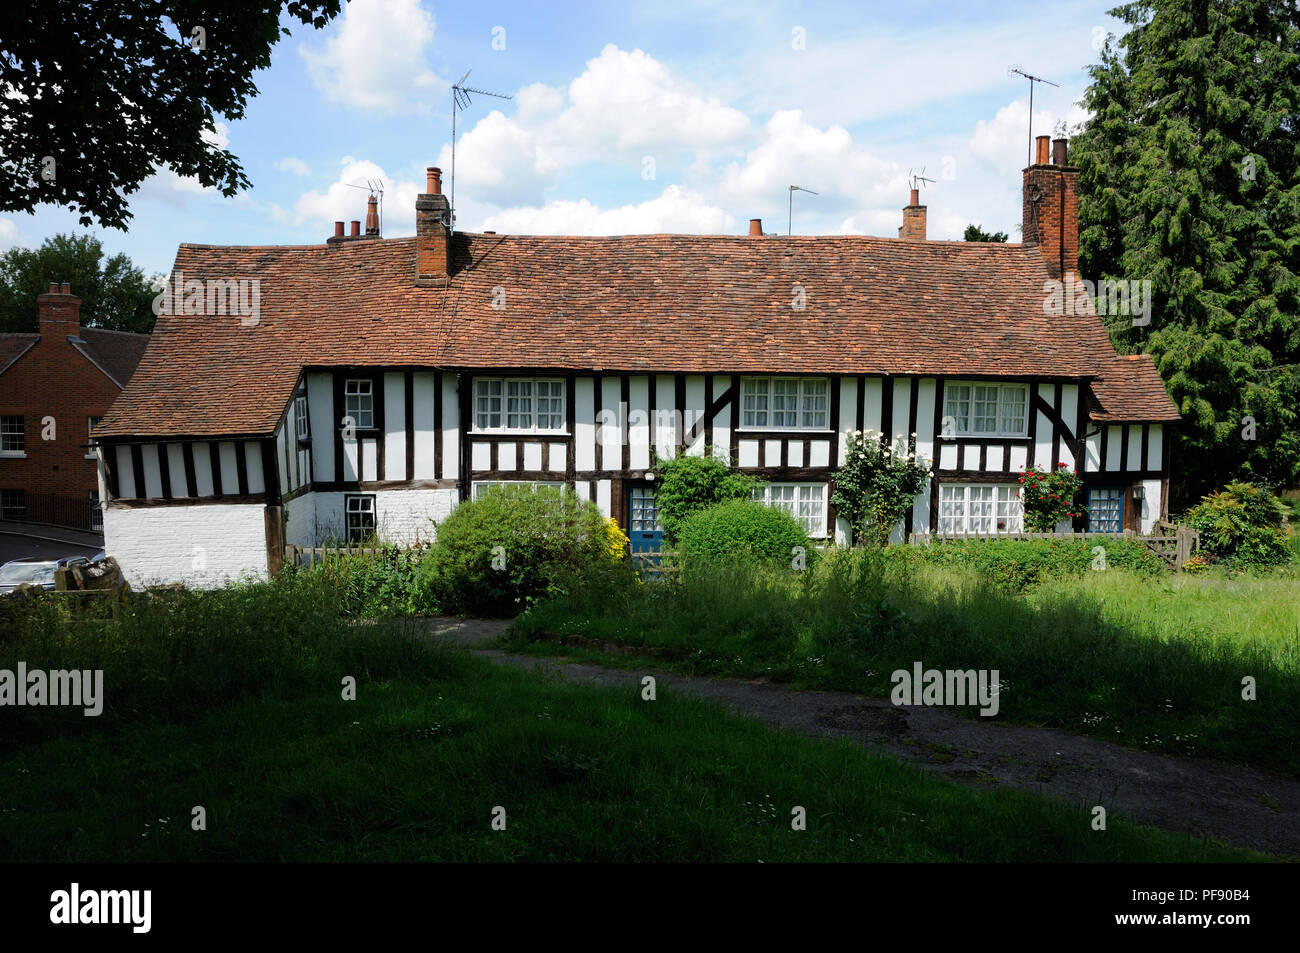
[(1189, 178)]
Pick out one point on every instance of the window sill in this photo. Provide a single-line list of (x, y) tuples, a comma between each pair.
[(792, 431), (983, 436), (519, 433), (13, 454), (92, 456)]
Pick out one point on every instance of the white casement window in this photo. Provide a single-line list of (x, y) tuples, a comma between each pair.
[(980, 509), (359, 402), (12, 439), (987, 410), (360, 514), (785, 403), (482, 489), (301, 428), (806, 502), (518, 405)]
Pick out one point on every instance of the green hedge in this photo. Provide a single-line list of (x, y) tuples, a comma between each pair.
[(1017, 564), (740, 530)]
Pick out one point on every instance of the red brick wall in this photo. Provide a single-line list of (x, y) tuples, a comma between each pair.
[(54, 379)]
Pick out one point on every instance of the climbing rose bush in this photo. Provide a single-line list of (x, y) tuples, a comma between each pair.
[(877, 484), (1049, 498)]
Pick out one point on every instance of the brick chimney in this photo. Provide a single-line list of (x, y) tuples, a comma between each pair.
[(913, 219), (432, 230), (60, 313), (1050, 207), (372, 217)]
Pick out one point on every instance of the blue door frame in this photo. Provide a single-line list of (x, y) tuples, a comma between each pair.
[(645, 534)]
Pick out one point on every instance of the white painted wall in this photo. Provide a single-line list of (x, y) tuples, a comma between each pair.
[(1150, 505), (401, 516), (203, 546)]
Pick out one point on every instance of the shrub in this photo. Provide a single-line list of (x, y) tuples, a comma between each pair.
[(498, 554), (1242, 525), (385, 584), (690, 484), (876, 485), (1013, 565), (739, 530), (1049, 498)]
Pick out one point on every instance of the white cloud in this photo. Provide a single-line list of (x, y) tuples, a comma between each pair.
[(165, 183), (8, 233), (676, 210), (1003, 141), (341, 202), (292, 166), (376, 57)]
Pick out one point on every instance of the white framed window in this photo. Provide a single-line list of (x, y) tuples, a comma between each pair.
[(301, 428), (806, 502), (359, 512), (987, 410), (980, 509), (482, 489), (785, 403), (518, 405), (91, 424), (12, 437), (359, 402)]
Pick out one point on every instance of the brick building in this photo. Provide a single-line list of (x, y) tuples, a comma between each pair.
[(55, 385)]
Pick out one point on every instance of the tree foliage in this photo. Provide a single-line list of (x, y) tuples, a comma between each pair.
[(99, 95), (688, 484), (1189, 178), (114, 293), (976, 234)]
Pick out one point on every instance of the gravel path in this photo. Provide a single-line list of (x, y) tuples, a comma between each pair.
[(1232, 803)]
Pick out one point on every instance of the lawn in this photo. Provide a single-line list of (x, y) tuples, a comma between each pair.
[(232, 700), (1149, 661)]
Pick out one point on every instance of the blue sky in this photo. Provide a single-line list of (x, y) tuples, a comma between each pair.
[(671, 116)]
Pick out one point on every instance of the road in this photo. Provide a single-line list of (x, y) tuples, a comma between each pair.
[(45, 542)]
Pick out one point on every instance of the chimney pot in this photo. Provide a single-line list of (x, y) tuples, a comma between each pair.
[(65, 288), (756, 227), (434, 181), (372, 216), (356, 228), (54, 287), (916, 197), (1040, 150), (1058, 151), (338, 229)]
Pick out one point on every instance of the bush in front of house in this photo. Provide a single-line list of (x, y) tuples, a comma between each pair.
[(1014, 565), (379, 584), (877, 484), (502, 552), (689, 484), (1242, 526), (1050, 498), (741, 530)]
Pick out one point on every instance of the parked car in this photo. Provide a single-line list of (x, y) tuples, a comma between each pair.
[(31, 571)]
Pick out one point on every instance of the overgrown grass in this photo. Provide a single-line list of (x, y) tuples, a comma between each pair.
[(231, 701), (1154, 662)]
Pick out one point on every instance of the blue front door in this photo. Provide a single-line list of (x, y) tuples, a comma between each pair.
[(644, 532)]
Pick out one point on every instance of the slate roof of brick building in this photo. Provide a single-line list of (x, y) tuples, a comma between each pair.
[(642, 303), (116, 352)]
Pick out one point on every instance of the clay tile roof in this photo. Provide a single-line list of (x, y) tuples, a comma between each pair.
[(116, 352), (14, 346), (1130, 388), (638, 303)]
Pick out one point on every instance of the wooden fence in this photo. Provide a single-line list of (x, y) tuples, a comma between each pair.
[(310, 555)]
